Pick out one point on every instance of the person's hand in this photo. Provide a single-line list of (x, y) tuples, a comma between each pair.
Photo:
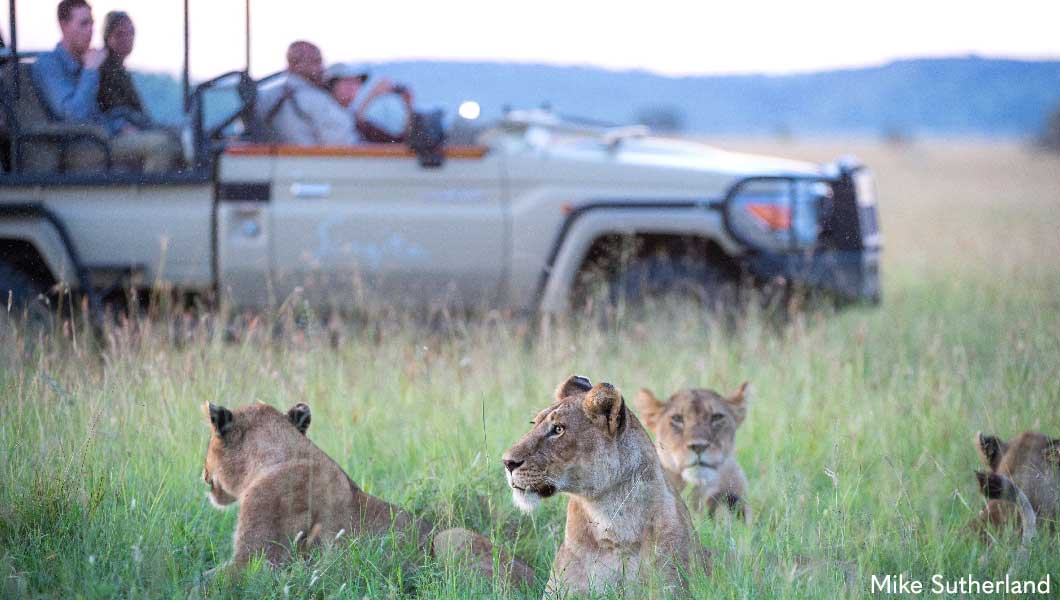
[(386, 86), (94, 57), (383, 86), (405, 93)]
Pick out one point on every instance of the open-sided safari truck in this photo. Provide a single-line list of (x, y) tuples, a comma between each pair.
[(516, 219)]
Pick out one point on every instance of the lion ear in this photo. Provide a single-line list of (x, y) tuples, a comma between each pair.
[(575, 384), (738, 401), (604, 406), (649, 407), (299, 416), (990, 450), (220, 417)]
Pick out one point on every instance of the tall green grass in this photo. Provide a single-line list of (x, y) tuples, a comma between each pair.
[(857, 444)]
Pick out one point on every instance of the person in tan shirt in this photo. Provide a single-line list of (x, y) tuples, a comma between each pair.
[(345, 81), (300, 110)]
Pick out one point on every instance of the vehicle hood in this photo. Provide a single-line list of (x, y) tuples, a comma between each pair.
[(660, 153), (683, 154)]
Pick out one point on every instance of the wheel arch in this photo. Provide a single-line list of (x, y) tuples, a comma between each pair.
[(650, 227), (36, 248)]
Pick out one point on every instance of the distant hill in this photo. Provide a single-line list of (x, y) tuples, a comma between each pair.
[(933, 97)]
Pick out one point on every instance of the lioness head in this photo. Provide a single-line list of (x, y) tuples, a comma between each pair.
[(1031, 461), (572, 446), (695, 430), (244, 439)]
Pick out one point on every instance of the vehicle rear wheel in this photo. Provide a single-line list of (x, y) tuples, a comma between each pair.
[(24, 305)]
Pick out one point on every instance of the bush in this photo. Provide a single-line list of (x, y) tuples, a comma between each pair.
[(1051, 135)]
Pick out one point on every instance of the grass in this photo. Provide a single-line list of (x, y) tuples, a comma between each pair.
[(857, 444)]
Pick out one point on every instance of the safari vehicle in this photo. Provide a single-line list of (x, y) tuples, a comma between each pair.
[(516, 218)]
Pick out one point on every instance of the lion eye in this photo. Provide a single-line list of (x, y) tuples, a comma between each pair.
[(557, 430), (717, 418), (677, 421)]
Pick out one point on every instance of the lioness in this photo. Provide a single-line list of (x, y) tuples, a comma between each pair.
[(695, 432), (1022, 477), (294, 496), (622, 514)]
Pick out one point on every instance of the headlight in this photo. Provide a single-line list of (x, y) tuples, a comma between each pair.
[(777, 214)]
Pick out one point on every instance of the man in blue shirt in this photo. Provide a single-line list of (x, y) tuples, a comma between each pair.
[(67, 79)]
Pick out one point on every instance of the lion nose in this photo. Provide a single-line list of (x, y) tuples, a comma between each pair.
[(512, 465), (697, 447)]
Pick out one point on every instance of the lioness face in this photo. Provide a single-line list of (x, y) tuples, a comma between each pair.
[(1032, 461), (570, 447), (695, 430), (236, 442)]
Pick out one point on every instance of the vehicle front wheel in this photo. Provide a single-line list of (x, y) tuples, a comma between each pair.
[(655, 280), (662, 278)]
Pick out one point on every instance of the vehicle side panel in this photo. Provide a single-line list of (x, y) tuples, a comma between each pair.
[(349, 229), (162, 231)]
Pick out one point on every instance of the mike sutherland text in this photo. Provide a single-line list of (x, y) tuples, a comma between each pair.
[(967, 584)]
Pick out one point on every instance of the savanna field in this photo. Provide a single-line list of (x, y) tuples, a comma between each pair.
[(858, 441)]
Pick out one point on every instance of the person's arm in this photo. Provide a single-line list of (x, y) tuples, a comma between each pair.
[(372, 133), (68, 99), (385, 86), (369, 131), (334, 125)]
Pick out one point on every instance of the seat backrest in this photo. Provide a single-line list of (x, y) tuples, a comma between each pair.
[(37, 134), (6, 112), (29, 107), (30, 116)]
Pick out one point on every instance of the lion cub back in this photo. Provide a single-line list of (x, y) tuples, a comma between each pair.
[(291, 494)]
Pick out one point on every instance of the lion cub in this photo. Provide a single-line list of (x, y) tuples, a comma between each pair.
[(293, 496), (622, 515), (695, 433), (1022, 481)]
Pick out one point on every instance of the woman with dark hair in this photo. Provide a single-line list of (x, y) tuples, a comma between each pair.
[(117, 94), (119, 100)]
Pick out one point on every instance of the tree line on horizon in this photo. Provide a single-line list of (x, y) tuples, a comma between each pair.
[(957, 97)]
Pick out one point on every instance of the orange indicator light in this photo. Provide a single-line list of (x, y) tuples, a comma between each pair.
[(773, 216)]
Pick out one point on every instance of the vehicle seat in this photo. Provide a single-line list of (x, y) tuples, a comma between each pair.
[(45, 145)]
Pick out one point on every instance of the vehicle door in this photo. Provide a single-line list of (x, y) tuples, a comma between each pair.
[(369, 224)]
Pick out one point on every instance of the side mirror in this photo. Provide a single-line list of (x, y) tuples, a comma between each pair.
[(427, 138)]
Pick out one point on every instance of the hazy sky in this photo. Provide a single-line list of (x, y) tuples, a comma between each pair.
[(665, 36)]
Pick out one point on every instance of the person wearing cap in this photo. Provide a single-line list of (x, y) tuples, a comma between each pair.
[(345, 81), (300, 110)]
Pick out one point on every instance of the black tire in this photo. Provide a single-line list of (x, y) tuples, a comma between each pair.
[(662, 278), (24, 304)]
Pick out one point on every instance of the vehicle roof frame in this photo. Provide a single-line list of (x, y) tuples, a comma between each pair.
[(201, 168)]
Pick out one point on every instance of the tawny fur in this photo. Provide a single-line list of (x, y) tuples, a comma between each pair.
[(1031, 462), (623, 517), (695, 436), (293, 496)]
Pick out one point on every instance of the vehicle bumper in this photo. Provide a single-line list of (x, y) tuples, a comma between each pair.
[(852, 275)]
